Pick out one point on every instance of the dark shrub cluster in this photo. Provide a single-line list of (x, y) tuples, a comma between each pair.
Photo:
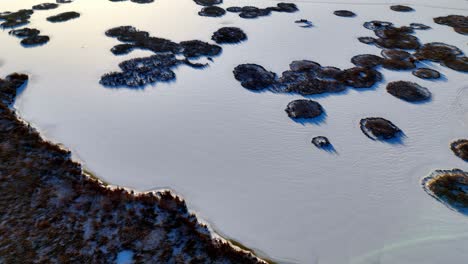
[(450, 187), (159, 68), (30, 36), (457, 22), (408, 91), (378, 128), (211, 10)]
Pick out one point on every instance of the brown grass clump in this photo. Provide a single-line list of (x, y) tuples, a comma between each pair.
[(438, 52), (360, 77), (321, 142), (229, 35), (449, 187), (367, 40), (254, 76), (402, 41), (460, 148), (378, 128), (426, 73), (10, 85), (398, 65), (212, 11), (401, 8), (367, 60), (408, 91), (457, 22), (458, 64), (208, 2), (304, 109), (15, 19), (344, 13), (448, 55), (63, 17)]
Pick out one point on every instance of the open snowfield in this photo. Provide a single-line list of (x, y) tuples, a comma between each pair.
[(240, 162)]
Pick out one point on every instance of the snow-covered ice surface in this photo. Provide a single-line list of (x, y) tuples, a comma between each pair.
[(236, 157)]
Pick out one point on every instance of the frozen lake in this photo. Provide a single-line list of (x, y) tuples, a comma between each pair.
[(234, 155)]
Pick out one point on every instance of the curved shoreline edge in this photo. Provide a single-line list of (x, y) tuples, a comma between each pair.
[(52, 211)]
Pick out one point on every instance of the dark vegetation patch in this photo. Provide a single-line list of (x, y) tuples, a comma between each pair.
[(366, 40), (134, 38), (460, 149), (159, 68), (15, 19), (284, 7), (329, 72), (462, 30), (304, 23), (254, 12), (396, 39), (401, 8), (304, 66), (35, 40), (22, 17), (122, 49), (142, 71), (24, 32), (321, 142), (234, 9), (131, 34), (449, 187), (198, 48), (30, 36), (306, 78), (254, 77), (9, 86), (142, 1), (53, 212), (377, 128), (367, 60), (458, 23), (393, 32), (398, 65), (390, 37), (308, 85), (408, 91), (63, 17), (135, 1), (401, 51), (437, 52), (360, 77), (398, 42), (45, 6), (344, 13), (377, 24), (448, 55), (426, 73), (208, 2), (248, 11), (212, 11), (458, 64), (303, 109), (394, 54)]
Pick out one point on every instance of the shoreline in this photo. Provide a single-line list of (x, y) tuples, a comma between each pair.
[(52, 210)]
